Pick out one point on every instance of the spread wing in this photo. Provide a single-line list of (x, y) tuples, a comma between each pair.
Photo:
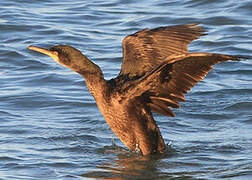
[(165, 86), (148, 48)]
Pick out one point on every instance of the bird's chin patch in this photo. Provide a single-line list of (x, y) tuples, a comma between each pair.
[(61, 59)]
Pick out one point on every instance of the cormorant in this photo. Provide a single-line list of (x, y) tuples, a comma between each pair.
[(157, 70)]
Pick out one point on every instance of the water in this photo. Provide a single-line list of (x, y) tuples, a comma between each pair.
[(50, 127)]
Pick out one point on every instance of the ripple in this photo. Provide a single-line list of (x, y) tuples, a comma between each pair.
[(228, 148), (241, 106), (51, 127), (8, 159)]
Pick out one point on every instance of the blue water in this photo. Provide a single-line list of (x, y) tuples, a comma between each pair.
[(50, 127)]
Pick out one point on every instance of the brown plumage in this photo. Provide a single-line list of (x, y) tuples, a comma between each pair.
[(157, 71)]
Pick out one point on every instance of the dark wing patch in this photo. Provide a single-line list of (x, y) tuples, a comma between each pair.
[(147, 49), (167, 84)]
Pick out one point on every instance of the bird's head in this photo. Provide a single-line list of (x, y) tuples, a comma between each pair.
[(71, 58)]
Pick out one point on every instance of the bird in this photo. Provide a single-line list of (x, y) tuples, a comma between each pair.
[(157, 71)]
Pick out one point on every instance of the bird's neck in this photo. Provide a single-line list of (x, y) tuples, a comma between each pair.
[(96, 84), (94, 77)]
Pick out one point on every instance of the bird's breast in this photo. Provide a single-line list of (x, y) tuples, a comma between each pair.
[(119, 118)]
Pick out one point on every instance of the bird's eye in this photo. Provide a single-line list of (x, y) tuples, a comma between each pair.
[(55, 53)]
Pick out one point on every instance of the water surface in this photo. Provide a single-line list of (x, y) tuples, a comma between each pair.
[(50, 127)]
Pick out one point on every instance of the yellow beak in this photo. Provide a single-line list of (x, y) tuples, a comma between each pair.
[(52, 54)]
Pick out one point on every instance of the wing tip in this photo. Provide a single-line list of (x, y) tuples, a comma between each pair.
[(241, 57), (233, 57)]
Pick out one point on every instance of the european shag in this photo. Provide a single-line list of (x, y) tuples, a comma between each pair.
[(157, 70)]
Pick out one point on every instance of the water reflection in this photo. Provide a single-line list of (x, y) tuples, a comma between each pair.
[(128, 165)]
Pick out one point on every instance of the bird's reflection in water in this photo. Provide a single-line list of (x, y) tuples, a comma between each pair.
[(129, 165)]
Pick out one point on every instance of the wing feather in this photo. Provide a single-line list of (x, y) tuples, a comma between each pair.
[(148, 48), (167, 84)]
